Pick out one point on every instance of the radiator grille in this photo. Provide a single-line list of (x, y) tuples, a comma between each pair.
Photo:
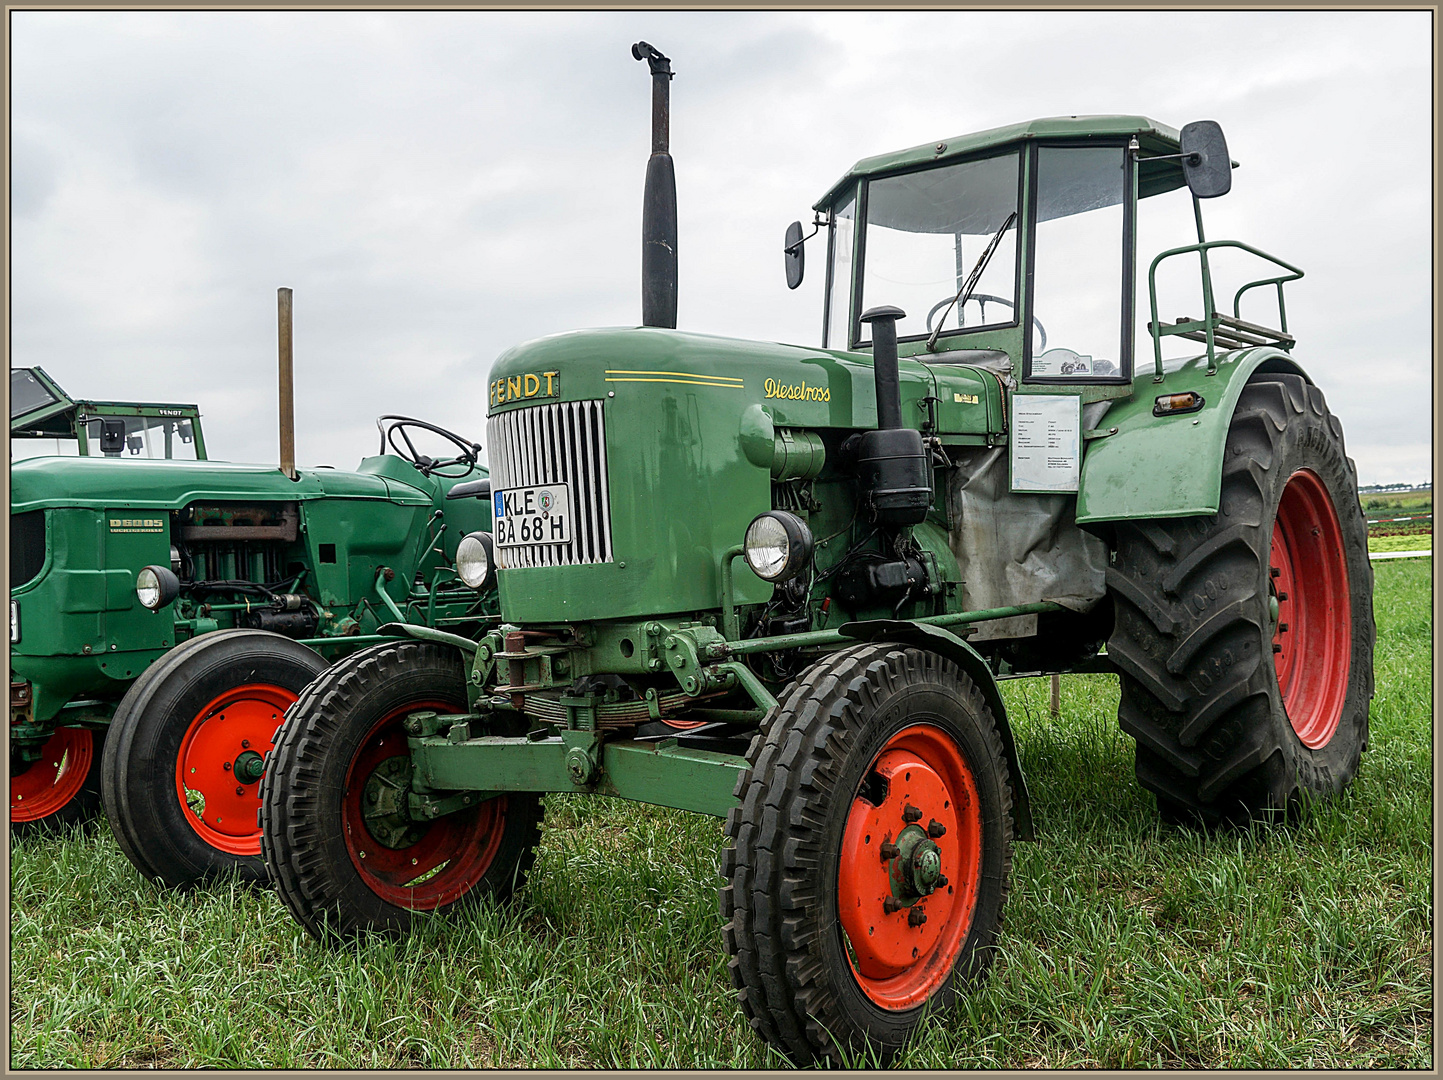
[(563, 443)]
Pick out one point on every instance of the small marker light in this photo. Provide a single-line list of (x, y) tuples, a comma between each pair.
[(156, 586), (1173, 404)]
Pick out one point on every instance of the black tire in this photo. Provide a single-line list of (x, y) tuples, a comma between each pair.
[(340, 722), (786, 865), (1194, 636), (80, 808), (166, 708)]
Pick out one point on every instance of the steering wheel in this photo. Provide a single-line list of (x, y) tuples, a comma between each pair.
[(983, 299), (391, 426)]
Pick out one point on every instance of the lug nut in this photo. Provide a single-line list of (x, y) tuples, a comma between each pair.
[(935, 829), (916, 917), (891, 904), (245, 744), (226, 766), (941, 881), (240, 791), (910, 814), (890, 851)]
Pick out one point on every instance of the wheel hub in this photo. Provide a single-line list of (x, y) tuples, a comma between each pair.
[(249, 767), (384, 805), (916, 868)]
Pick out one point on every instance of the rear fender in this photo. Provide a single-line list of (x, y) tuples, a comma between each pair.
[(1169, 466), (949, 645)]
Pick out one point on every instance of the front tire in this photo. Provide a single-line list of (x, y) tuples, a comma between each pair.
[(1245, 639), (180, 772), (340, 868), (868, 861), (62, 787)]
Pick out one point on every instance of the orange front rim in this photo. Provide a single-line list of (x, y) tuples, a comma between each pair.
[(1313, 629), (918, 782), (417, 866), (212, 781), (49, 784)]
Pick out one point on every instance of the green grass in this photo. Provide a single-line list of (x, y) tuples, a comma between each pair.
[(1402, 542), (1126, 943)]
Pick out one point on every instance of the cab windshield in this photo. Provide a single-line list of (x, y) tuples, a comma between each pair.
[(925, 233)]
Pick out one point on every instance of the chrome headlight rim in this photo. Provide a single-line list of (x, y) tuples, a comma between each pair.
[(476, 549), (156, 587), (777, 545)]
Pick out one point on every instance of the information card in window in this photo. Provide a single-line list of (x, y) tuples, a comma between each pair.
[(1046, 442)]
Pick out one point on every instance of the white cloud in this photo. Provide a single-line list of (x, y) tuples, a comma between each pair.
[(438, 186)]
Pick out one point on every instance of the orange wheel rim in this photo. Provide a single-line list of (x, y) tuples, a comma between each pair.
[(55, 778), (898, 960), (1312, 630), (443, 859), (220, 805)]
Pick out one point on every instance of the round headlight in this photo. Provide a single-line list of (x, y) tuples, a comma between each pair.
[(156, 586), (474, 563), (778, 545)]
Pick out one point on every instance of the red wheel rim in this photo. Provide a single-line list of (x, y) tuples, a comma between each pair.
[(1313, 632), (57, 777), (219, 805), (462, 844), (897, 964)]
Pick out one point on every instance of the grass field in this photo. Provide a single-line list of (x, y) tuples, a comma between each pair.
[(1126, 943)]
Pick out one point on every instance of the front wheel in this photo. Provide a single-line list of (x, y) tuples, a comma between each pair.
[(1245, 639), (186, 750), (341, 848), (59, 788), (868, 861)]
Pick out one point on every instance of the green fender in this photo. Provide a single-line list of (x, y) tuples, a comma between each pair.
[(943, 643), (1170, 466)]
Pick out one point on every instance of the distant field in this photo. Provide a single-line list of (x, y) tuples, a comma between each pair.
[(1398, 520), (1127, 943)]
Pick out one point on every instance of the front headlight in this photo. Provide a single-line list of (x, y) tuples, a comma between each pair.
[(156, 586), (778, 545), (475, 564)]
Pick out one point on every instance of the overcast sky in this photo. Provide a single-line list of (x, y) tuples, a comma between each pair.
[(439, 186)]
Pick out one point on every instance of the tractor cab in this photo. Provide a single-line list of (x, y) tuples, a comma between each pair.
[(45, 420), (1016, 247)]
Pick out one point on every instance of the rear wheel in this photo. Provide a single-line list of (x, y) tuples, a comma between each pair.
[(182, 766), (868, 860), (1245, 640), (60, 788), (341, 848)]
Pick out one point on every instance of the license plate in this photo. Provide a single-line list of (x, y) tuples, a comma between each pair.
[(531, 515)]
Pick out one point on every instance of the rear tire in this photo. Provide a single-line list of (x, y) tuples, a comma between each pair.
[(340, 871), (1245, 640), (62, 787), (177, 769), (826, 958)]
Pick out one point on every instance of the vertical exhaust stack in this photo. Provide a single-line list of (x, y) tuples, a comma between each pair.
[(287, 376), (658, 211)]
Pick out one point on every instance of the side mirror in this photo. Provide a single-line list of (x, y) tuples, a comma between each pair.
[(112, 437), (795, 254), (1205, 160)]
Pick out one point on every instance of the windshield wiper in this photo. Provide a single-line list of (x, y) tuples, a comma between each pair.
[(965, 292)]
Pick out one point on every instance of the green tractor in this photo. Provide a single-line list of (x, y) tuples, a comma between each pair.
[(165, 613), (778, 584), (45, 420)]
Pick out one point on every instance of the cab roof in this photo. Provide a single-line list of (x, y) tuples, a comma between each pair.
[(1153, 138)]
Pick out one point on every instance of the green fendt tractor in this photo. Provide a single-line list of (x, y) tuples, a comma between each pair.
[(164, 614), (815, 563)]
